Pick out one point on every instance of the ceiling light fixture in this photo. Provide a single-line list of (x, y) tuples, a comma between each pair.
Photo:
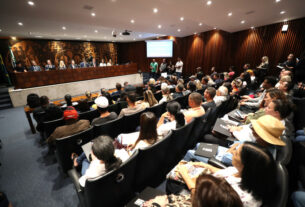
[(159, 26), (243, 22), (209, 3), (282, 12), (200, 24), (285, 20), (13, 38), (140, 35), (134, 38), (179, 30), (195, 33), (252, 27), (93, 14), (38, 36), (181, 18), (64, 28), (0, 30), (215, 28), (277, 1), (132, 21), (96, 31), (20, 23), (230, 14), (155, 10), (285, 28), (31, 3)]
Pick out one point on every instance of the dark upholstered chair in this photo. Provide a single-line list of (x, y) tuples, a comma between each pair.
[(67, 145), (50, 126), (112, 128), (114, 188), (89, 115)]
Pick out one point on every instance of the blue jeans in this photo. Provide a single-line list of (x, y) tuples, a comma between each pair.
[(299, 136), (221, 155), (178, 74), (84, 162), (298, 199)]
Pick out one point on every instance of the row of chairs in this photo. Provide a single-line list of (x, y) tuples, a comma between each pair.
[(146, 167)]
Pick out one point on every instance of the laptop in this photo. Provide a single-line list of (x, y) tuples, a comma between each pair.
[(147, 194), (222, 127), (206, 150)]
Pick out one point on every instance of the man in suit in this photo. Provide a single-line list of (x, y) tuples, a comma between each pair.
[(84, 64), (49, 66), (73, 65), (34, 66)]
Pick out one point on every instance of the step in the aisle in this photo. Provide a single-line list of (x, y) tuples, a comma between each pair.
[(5, 106)]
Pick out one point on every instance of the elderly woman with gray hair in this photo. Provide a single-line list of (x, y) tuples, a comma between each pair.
[(221, 95)]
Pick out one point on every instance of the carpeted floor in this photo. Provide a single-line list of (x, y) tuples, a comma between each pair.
[(29, 176)]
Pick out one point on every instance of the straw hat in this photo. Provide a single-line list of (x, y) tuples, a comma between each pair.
[(269, 129)]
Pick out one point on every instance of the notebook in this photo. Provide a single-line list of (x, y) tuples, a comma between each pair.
[(237, 115), (147, 194), (206, 150), (87, 149), (222, 127)]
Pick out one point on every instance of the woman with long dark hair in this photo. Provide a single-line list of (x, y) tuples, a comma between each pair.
[(102, 159), (172, 119)]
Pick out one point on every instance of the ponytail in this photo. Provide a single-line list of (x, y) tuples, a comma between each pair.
[(179, 117), (113, 163)]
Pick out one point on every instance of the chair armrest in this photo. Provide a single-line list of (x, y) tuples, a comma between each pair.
[(74, 175), (216, 163)]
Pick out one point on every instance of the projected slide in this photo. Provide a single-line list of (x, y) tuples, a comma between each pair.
[(159, 48)]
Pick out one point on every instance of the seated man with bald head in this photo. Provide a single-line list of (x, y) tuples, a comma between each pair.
[(196, 110)]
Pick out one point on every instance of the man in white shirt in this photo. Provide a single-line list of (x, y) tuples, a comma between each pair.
[(179, 67)]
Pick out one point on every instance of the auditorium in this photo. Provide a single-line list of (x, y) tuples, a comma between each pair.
[(161, 103)]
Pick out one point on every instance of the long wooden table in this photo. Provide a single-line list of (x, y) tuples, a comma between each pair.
[(43, 78)]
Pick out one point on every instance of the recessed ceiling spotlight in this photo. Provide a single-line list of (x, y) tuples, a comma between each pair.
[(132, 21), (285, 20), (215, 28), (20, 23), (179, 30), (120, 33), (282, 12), (93, 14), (243, 22), (13, 38), (181, 18), (0, 30), (78, 38), (140, 35), (277, 1), (96, 31), (159, 26), (134, 38), (252, 27), (64, 28), (200, 24), (230, 14), (155, 10), (209, 3), (195, 33), (38, 36), (31, 3)]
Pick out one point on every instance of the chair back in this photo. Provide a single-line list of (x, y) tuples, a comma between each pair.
[(177, 145), (89, 115), (115, 97), (281, 195), (131, 122), (50, 126), (114, 188), (157, 109), (150, 162), (284, 153), (67, 145), (158, 96), (112, 128), (299, 118), (183, 101), (115, 108), (196, 133)]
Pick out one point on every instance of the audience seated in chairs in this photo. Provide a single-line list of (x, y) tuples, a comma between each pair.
[(73, 125), (88, 95), (195, 102), (221, 95), (149, 100), (68, 99), (254, 185), (44, 103), (166, 96), (191, 87), (83, 106), (102, 106), (102, 159), (265, 131), (236, 85), (209, 95), (118, 91), (132, 106), (147, 136), (179, 91), (172, 119), (208, 191)]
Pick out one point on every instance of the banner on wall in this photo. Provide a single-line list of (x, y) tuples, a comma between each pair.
[(4, 71)]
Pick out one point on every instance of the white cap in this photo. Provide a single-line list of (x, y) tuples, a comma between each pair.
[(101, 102)]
